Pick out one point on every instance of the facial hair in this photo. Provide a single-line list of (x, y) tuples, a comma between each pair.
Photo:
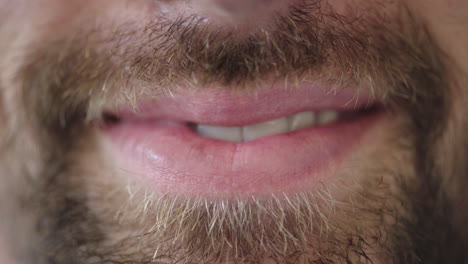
[(62, 94)]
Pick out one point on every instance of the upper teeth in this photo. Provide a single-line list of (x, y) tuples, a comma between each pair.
[(268, 128)]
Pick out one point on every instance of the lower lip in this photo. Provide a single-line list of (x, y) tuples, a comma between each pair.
[(172, 158)]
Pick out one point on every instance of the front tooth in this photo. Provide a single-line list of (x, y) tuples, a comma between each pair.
[(267, 128), (326, 117), (233, 134), (302, 120)]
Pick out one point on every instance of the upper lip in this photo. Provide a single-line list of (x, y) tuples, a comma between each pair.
[(224, 108)]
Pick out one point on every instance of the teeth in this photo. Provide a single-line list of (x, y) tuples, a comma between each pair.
[(268, 128), (233, 134), (302, 120), (326, 117)]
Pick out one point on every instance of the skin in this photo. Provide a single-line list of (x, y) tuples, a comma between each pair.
[(63, 201)]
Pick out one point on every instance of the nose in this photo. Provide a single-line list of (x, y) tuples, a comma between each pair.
[(238, 7), (242, 10)]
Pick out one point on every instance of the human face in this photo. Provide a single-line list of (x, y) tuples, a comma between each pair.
[(219, 131)]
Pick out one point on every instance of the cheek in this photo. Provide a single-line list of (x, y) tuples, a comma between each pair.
[(455, 5), (442, 13), (446, 21)]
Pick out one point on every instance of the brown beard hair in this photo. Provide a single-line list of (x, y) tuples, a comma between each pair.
[(62, 81)]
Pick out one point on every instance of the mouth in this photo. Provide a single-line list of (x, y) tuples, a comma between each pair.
[(282, 138), (223, 144)]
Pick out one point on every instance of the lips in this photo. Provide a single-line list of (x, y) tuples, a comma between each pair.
[(214, 144)]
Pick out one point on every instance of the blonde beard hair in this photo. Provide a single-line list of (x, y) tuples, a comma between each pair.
[(305, 227)]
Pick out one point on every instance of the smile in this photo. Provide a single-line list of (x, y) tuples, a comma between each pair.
[(220, 144)]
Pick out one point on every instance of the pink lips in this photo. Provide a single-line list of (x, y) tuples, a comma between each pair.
[(156, 144)]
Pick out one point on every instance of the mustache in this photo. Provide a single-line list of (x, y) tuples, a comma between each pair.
[(71, 80)]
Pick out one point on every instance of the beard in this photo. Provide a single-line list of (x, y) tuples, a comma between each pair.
[(403, 204)]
